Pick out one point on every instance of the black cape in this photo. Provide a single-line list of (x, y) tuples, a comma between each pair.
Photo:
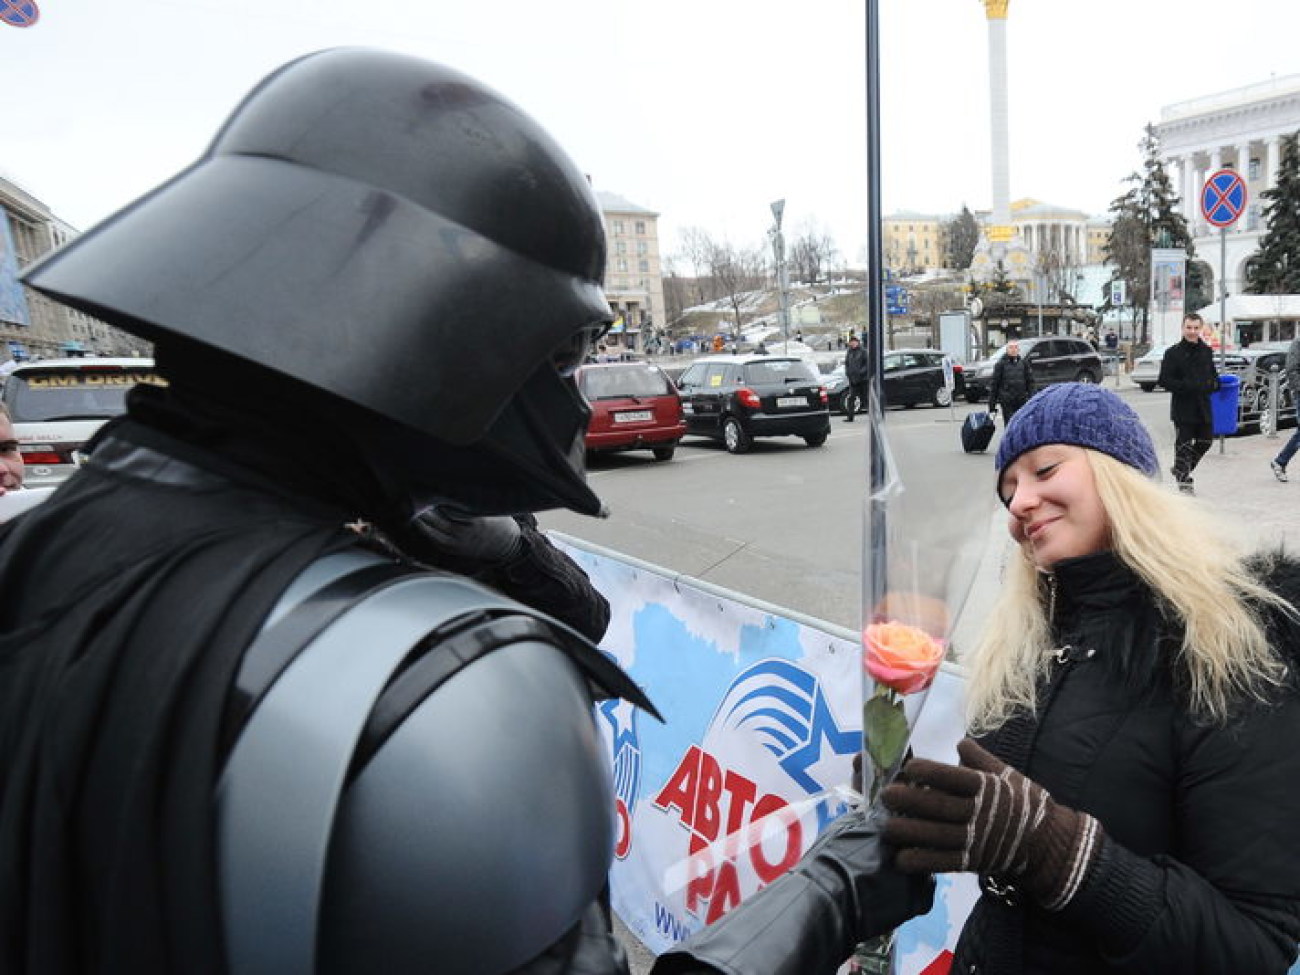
[(127, 604)]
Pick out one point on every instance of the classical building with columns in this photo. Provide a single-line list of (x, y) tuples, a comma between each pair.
[(1239, 129), (1049, 229)]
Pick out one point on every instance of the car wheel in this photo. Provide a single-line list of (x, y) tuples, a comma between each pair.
[(664, 453), (943, 396), (734, 436), (1087, 377), (815, 439), (1147, 387)]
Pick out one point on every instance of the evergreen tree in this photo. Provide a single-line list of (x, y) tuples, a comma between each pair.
[(1145, 216), (1274, 269), (961, 236)]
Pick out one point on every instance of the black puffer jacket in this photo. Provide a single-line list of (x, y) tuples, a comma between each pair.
[(1200, 871)]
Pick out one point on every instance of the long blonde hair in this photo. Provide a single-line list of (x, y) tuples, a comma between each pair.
[(1191, 566)]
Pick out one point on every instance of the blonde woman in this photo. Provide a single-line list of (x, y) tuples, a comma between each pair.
[(1131, 795)]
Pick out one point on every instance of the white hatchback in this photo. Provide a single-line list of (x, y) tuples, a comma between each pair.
[(57, 405)]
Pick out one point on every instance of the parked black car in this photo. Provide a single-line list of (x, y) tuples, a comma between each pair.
[(736, 398), (911, 376), (1052, 359)]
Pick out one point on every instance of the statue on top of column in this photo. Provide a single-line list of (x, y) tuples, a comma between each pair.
[(996, 9)]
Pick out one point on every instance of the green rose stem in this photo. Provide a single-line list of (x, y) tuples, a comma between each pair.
[(884, 730)]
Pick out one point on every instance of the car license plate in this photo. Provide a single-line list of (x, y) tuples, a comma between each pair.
[(633, 416), (791, 401)]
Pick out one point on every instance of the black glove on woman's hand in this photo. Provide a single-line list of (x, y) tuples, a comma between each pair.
[(986, 817)]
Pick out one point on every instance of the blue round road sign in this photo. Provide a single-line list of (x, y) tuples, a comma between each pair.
[(19, 13), (1223, 197)]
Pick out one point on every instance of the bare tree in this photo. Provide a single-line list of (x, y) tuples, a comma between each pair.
[(676, 293), (811, 252), (737, 272), (723, 271)]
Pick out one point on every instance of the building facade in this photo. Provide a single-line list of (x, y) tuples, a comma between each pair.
[(32, 326), (1239, 129), (633, 273), (913, 242)]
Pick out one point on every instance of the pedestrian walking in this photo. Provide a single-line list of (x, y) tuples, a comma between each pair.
[(1012, 383), (1278, 463), (1128, 796), (857, 370), (1187, 371)]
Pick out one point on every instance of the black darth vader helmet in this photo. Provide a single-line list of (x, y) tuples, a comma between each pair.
[(390, 232)]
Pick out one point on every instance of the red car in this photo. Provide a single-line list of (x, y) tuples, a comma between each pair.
[(634, 406)]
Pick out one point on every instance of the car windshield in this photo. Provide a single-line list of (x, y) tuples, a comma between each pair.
[(71, 394), (619, 383), (773, 372)]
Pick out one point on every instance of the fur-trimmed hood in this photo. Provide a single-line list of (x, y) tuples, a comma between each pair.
[(1279, 570)]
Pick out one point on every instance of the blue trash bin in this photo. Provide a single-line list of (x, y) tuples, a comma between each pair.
[(1223, 405)]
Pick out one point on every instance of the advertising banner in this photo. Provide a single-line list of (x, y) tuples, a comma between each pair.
[(1168, 294), (762, 719), (13, 303)]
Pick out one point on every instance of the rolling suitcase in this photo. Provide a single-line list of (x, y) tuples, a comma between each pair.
[(976, 432)]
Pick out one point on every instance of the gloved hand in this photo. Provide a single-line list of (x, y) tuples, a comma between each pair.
[(840, 893), (451, 531), (986, 817)]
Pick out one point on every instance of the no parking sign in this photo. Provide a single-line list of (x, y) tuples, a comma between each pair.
[(1223, 197), (19, 13)]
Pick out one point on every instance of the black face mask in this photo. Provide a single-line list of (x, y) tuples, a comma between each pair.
[(531, 459)]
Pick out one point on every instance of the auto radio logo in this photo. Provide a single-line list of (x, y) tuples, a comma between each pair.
[(749, 825)]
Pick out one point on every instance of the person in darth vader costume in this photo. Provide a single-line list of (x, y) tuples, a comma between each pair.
[(255, 714)]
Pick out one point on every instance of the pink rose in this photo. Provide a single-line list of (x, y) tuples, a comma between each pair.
[(902, 657)]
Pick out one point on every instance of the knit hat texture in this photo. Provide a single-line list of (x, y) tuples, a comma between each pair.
[(1084, 415)]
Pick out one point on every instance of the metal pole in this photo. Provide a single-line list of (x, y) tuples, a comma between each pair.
[(875, 306), (1223, 316), (1274, 401)]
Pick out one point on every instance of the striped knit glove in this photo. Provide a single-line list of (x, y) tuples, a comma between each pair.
[(986, 817)]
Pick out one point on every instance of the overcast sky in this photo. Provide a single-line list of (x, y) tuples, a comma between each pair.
[(703, 110)]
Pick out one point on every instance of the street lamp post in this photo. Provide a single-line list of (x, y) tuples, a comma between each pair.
[(782, 279)]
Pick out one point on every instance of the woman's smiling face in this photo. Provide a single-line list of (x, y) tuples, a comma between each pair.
[(1056, 512)]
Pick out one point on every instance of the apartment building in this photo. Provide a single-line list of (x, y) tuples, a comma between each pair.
[(633, 273), (30, 324)]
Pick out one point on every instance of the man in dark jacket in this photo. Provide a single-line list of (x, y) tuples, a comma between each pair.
[(242, 727), (1187, 371), (1012, 383), (857, 370)]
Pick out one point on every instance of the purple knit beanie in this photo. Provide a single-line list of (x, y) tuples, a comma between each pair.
[(1083, 415)]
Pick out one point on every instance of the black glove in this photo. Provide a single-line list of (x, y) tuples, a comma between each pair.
[(986, 817), (448, 531), (807, 922)]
